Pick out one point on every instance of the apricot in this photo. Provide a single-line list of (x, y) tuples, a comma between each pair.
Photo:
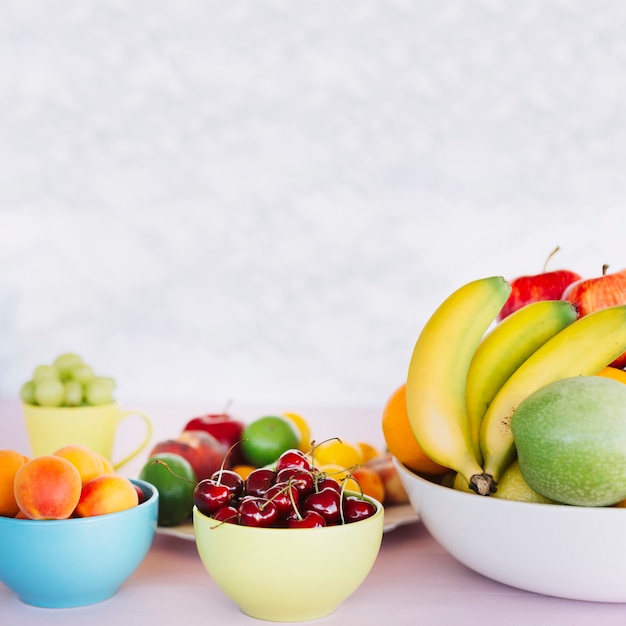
[(107, 466), (10, 462), (104, 494), (87, 462), (47, 487), (370, 481)]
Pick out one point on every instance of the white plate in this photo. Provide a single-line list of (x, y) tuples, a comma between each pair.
[(395, 516)]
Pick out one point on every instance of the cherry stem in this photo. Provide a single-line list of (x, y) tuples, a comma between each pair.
[(314, 445), (222, 466), (545, 265), (171, 471)]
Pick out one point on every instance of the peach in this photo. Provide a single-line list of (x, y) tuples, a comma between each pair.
[(104, 494), (10, 462), (47, 487), (87, 462)]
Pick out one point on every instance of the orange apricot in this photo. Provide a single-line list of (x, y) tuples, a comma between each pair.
[(107, 466), (87, 462), (104, 494), (10, 462), (370, 481), (47, 487)]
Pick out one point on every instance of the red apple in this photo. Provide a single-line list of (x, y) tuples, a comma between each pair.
[(535, 287), (203, 451), (600, 292), (225, 429)]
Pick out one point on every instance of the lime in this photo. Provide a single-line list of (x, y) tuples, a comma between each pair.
[(175, 480), (266, 438)]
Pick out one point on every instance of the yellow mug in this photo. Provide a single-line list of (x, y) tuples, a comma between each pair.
[(51, 428)]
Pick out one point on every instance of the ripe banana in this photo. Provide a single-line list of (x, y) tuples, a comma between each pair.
[(435, 387), (583, 348), (505, 348)]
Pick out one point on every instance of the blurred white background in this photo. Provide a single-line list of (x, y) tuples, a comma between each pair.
[(263, 202)]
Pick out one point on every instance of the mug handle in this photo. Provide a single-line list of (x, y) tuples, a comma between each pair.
[(128, 413)]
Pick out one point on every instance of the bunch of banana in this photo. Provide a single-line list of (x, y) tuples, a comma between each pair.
[(466, 379)]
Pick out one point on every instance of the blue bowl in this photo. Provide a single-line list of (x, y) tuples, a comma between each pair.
[(75, 562)]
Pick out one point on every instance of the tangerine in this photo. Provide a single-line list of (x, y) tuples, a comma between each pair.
[(401, 441)]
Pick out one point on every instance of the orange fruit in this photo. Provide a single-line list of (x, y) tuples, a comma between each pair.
[(243, 470), (401, 441), (368, 451), (10, 462), (370, 481), (614, 373)]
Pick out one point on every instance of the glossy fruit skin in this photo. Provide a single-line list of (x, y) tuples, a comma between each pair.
[(226, 429), (327, 503), (257, 512), (259, 481), (531, 288), (210, 496), (593, 294), (355, 509), (175, 481), (266, 438)]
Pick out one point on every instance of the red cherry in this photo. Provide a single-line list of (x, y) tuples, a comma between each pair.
[(257, 512), (309, 519), (259, 481), (228, 514), (327, 503), (231, 479), (355, 509), (302, 479), (327, 481), (285, 496), (210, 496), (293, 458)]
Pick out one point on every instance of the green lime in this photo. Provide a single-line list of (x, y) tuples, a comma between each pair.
[(266, 438), (175, 481)]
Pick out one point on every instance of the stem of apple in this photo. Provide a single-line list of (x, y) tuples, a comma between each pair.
[(545, 265)]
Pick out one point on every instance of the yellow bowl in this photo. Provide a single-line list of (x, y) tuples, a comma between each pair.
[(288, 575)]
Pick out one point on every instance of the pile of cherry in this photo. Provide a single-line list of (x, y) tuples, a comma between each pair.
[(293, 494)]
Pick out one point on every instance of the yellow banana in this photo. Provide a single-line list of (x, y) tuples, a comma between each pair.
[(581, 349), (435, 387), (505, 348)]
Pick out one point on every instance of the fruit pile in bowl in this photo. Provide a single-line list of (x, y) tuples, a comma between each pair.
[(520, 399), (71, 530), (283, 530)]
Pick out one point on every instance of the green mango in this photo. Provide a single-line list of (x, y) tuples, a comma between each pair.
[(571, 441)]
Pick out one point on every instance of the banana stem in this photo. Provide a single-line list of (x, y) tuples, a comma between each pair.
[(483, 484)]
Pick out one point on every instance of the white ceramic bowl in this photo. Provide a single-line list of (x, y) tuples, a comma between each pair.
[(564, 551)]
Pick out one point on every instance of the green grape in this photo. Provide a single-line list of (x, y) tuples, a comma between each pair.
[(98, 391), (27, 392), (82, 373), (45, 372), (110, 381), (65, 363), (73, 393), (49, 392)]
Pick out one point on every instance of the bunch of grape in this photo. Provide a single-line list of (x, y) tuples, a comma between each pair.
[(68, 382)]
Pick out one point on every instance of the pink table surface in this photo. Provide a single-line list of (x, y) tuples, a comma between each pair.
[(414, 581)]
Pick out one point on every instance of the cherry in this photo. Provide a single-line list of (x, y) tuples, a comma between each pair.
[(228, 514), (210, 496), (355, 509), (231, 479), (259, 481), (258, 512), (285, 496), (310, 519), (293, 458), (327, 481), (302, 479), (327, 503)]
